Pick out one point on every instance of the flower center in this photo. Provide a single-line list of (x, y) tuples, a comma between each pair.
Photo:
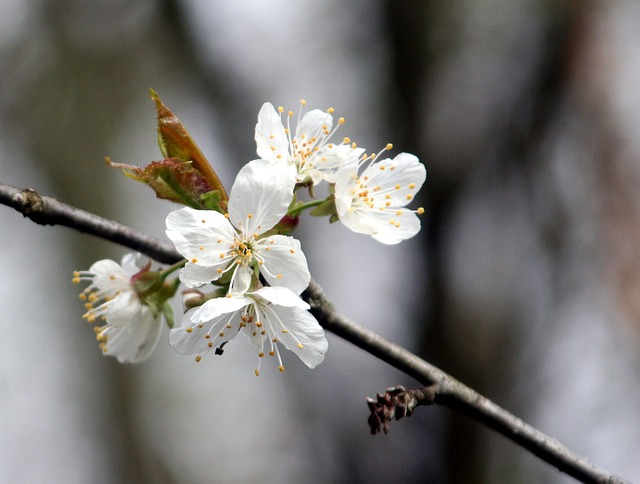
[(307, 150), (242, 250)]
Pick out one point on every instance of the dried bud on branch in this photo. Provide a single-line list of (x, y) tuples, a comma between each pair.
[(397, 402)]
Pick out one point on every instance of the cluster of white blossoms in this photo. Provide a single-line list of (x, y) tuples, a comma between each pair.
[(132, 325), (245, 273)]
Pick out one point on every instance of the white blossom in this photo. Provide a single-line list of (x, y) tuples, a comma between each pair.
[(132, 329), (215, 244), (309, 148), (372, 200), (268, 317)]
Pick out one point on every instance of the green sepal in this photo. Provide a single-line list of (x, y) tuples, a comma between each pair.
[(327, 208), (212, 201), (334, 218), (167, 312)]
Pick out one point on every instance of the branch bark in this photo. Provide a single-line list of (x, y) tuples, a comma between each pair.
[(441, 388)]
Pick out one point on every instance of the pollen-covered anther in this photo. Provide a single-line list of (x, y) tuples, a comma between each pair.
[(341, 121), (300, 345), (409, 196), (420, 210), (389, 146), (189, 330), (194, 260), (281, 369), (198, 358), (260, 355)]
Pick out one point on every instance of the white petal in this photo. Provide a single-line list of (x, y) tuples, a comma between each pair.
[(133, 330), (313, 124), (330, 159), (196, 341), (132, 263), (193, 275), (109, 277), (270, 135), (281, 296), (205, 238), (284, 263), (217, 306), (345, 184), (124, 308), (391, 228), (149, 331), (303, 330), (200, 234), (241, 281), (401, 178), (261, 196)]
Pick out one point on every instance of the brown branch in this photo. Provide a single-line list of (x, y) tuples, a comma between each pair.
[(441, 388)]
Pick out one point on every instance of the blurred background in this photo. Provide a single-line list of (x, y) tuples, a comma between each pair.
[(524, 282)]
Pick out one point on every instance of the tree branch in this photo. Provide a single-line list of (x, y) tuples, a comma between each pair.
[(441, 388)]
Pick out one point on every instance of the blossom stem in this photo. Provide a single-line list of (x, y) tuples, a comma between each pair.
[(172, 268), (304, 206)]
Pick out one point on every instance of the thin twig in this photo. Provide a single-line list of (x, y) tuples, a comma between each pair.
[(441, 388)]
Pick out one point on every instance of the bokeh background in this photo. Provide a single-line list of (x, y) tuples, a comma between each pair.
[(524, 282)]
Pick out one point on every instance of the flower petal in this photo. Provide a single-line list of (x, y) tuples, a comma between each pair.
[(314, 124), (282, 296), (400, 178), (241, 280), (261, 196), (331, 158), (304, 335), (284, 263), (217, 306), (205, 238), (270, 135), (109, 277), (195, 275), (133, 331), (194, 338)]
